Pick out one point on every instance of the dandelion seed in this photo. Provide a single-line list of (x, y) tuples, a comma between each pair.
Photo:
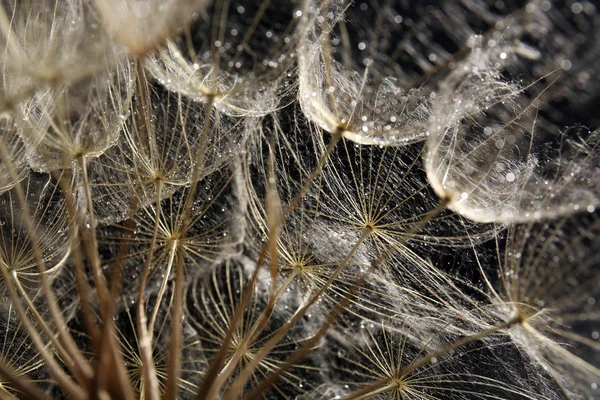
[(253, 88), (547, 308), (141, 26), (476, 163), (366, 90)]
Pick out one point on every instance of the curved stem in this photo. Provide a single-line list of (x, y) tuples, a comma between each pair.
[(176, 329), (65, 382), (82, 370), (92, 245), (163, 286), (52, 335), (145, 342)]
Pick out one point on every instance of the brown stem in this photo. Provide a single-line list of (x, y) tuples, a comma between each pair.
[(81, 369), (176, 329)]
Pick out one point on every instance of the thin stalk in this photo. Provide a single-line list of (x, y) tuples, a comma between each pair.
[(81, 281), (92, 245), (103, 352), (145, 342), (123, 389), (65, 382), (82, 369), (249, 33), (198, 164), (83, 288), (182, 225), (108, 358), (123, 381), (207, 388), (52, 335), (148, 262), (274, 225), (150, 387), (274, 218), (110, 372), (176, 329), (286, 283), (182, 222), (337, 136), (172, 253), (108, 354)]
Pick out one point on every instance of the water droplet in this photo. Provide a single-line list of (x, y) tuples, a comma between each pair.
[(576, 8), (566, 65)]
